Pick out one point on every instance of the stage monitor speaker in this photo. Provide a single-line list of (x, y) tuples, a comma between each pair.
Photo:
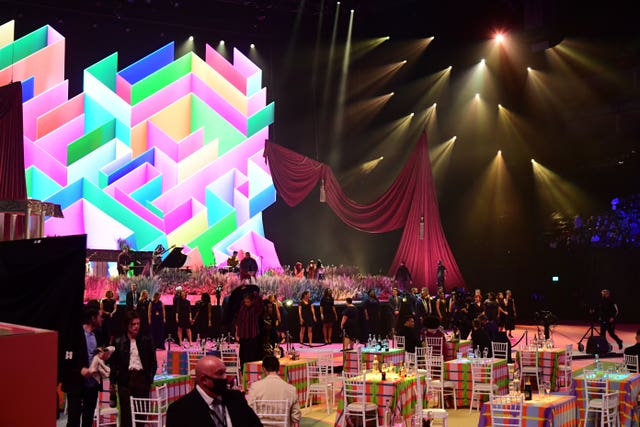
[(597, 345)]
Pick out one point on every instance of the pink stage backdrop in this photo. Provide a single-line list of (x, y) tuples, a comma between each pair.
[(412, 196)]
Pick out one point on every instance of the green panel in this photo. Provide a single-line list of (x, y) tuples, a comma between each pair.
[(145, 233), (105, 71), (215, 126), (23, 47), (261, 119), (161, 78), (91, 141), (214, 234), (153, 208)]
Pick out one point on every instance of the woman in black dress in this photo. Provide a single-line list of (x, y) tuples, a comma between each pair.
[(108, 308), (270, 322), (157, 319), (202, 319), (183, 318), (349, 324), (143, 311), (307, 317), (328, 315), (372, 313), (509, 306)]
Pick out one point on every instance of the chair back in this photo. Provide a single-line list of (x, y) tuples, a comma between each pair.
[(272, 412), (325, 359), (354, 387), (356, 367), (146, 411), (631, 362), (410, 359), (500, 350), (528, 361), (481, 373), (596, 385), (317, 373), (398, 340), (422, 353), (435, 365), (506, 410), (192, 359), (436, 344)]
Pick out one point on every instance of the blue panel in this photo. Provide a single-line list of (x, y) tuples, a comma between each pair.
[(146, 157), (148, 65), (262, 200), (28, 88), (149, 191), (68, 195)]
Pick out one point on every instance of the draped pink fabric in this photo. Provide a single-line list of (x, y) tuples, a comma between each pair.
[(411, 196)]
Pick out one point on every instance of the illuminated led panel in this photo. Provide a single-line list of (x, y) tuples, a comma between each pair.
[(167, 150)]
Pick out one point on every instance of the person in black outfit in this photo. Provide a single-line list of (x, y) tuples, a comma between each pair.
[(328, 315), (440, 273), (248, 268), (81, 388), (372, 314), (202, 320), (307, 317), (634, 349), (395, 302), (403, 276), (183, 318), (132, 371), (349, 324), (479, 337), (608, 316), (131, 299), (408, 331), (124, 261), (211, 401)]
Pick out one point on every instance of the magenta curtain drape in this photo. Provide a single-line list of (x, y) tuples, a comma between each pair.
[(410, 197), (12, 180)]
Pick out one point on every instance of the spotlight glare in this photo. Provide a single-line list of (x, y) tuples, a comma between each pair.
[(454, 137), (404, 61), (499, 152), (533, 161), (482, 61), (387, 38), (477, 95), (190, 38), (392, 93), (221, 43), (412, 114), (434, 105), (499, 37), (288, 303), (499, 105), (252, 46)]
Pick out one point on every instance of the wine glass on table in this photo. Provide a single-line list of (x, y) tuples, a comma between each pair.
[(547, 389)]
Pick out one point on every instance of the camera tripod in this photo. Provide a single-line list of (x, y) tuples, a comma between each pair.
[(589, 332)]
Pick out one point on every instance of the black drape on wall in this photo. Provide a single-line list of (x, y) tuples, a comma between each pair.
[(12, 180), (42, 285)]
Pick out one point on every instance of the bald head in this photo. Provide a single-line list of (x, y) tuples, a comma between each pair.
[(207, 369)]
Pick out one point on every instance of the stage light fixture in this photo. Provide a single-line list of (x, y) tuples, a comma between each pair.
[(499, 37), (499, 152), (533, 161), (482, 61), (499, 106), (434, 105), (190, 38), (477, 96), (221, 43), (529, 69), (288, 303), (412, 114), (252, 46)]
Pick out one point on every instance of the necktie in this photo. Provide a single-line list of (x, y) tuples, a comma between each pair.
[(217, 413)]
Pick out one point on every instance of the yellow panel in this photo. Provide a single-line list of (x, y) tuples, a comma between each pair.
[(6, 33), (198, 160), (139, 138), (175, 119), (188, 231), (222, 87)]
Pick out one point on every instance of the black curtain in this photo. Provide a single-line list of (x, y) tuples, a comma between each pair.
[(42, 285), (12, 180)]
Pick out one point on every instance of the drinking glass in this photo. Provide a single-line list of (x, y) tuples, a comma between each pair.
[(547, 388), (516, 383)]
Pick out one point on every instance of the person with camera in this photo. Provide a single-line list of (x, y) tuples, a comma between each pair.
[(608, 315)]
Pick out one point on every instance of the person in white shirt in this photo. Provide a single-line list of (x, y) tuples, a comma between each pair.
[(272, 387)]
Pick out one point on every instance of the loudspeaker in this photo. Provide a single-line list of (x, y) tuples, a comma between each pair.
[(598, 345)]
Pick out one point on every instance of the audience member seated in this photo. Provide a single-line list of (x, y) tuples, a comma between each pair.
[(634, 349), (408, 331)]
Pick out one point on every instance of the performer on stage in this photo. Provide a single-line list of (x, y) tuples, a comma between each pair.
[(156, 258), (248, 268), (403, 276), (608, 315), (232, 262), (124, 261), (440, 273)]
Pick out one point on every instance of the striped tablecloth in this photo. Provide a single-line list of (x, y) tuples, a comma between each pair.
[(549, 359), (394, 392), (628, 385), (177, 385), (292, 371), (451, 349), (459, 370), (177, 360), (551, 411), (393, 356)]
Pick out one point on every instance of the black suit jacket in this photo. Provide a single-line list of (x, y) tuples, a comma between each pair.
[(192, 411), (120, 358), (130, 301), (76, 359)]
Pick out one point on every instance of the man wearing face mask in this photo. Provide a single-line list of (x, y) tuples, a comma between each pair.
[(211, 403)]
